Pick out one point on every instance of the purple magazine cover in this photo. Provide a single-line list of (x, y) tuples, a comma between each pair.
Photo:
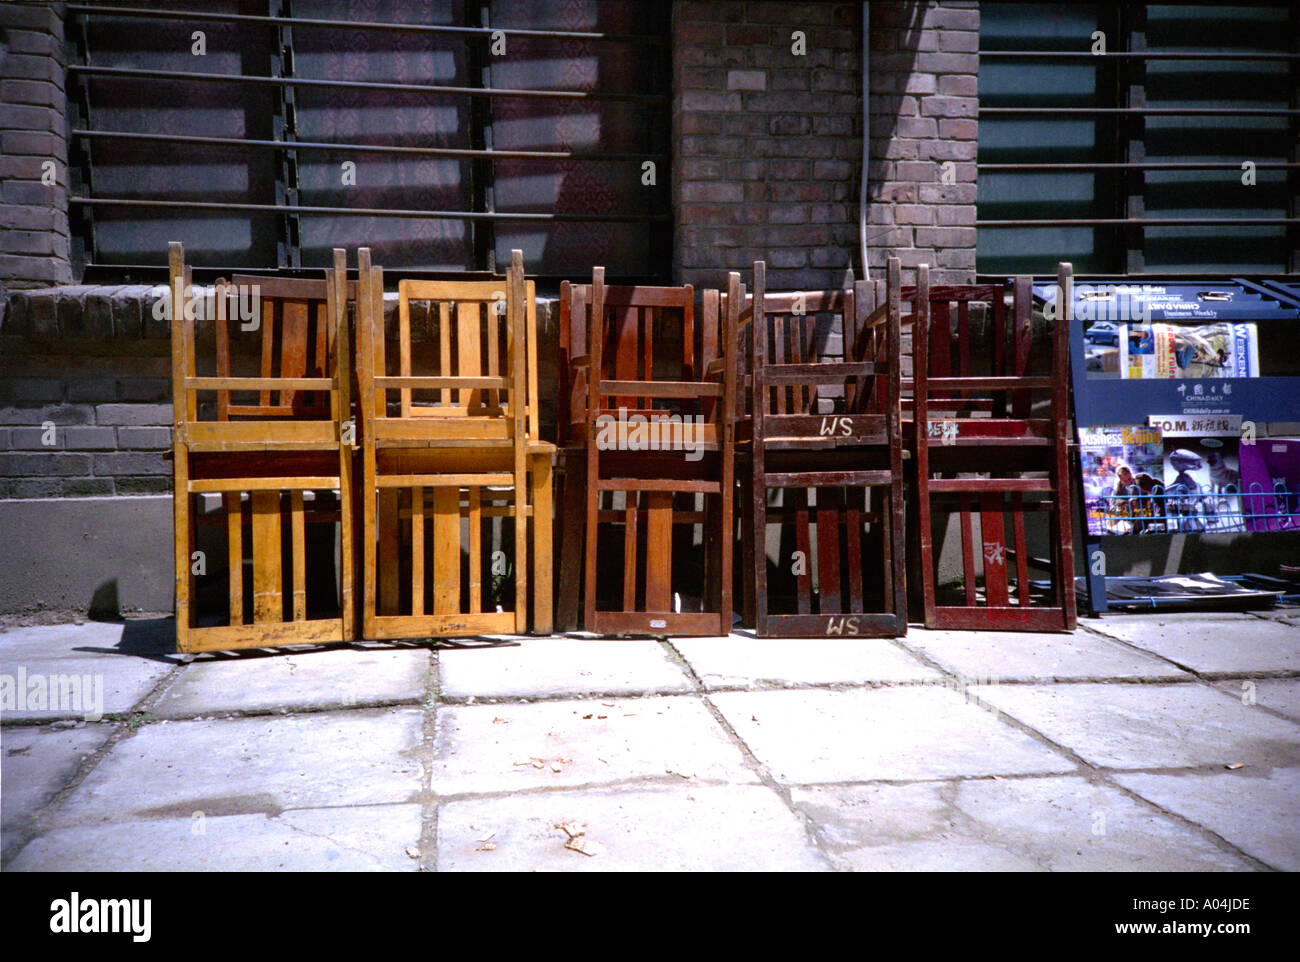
[(1270, 483)]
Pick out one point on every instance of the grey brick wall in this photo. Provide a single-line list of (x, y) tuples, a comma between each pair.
[(769, 141), (34, 237)]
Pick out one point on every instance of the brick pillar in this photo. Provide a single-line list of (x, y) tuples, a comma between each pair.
[(768, 139), (34, 239), (924, 128)]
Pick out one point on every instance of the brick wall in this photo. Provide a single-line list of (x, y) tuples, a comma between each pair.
[(34, 240), (85, 394), (768, 139)]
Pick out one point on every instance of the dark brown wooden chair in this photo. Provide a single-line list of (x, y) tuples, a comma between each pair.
[(277, 448), (989, 433), (643, 437), (824, 429)]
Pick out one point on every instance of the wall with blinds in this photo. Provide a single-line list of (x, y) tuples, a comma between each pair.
[(1129, 161), (441, 135)]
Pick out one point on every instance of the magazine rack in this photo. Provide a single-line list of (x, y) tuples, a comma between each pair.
[(824, 430), (643, 416), (1098, 314), (992, 445), (453, 435), (273, 448)]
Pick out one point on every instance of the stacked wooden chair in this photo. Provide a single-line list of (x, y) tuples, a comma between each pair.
[(274, 447), (824, 430), (989, 432), (648, 456), (449, 443)]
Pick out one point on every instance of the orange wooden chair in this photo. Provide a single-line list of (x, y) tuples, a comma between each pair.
[(275, 446), (450, 443)]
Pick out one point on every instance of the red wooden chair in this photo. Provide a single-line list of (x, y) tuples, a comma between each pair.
[(643, 438), (989, 431)]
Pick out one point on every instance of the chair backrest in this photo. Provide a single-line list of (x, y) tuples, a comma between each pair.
[(300, 331), (816, 352), (645, 334), (470, 381)]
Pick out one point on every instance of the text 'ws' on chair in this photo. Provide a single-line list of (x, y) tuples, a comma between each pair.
[(454, 475), (820, 458), (647, 517), (989, 409), (263, 452)]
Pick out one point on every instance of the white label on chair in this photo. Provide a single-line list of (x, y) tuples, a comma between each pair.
[(658, 623)]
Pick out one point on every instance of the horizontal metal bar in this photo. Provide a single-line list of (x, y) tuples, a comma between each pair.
[(186, 76), (211, 17), (1146, 111), (361, 148), (1132, 55), (1145, 222), (1138, 165), (368, 211)]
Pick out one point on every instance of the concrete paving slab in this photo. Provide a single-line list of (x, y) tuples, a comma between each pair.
[(1282, 695), (361, 839), (148, 638), (35, 763), (882, 733), (89, 687), (338, 678), (1257, 810), (549, 667), (737, 661), (1214, 646), (50, 672), (1150, 726), (1034, 656), (1007, 824), (490, 748), (253, 765), (667, 828)]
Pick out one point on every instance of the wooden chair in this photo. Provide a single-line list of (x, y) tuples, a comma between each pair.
[(643, 436), (992, 444), (451, 433), (824, 420), (286, 449)]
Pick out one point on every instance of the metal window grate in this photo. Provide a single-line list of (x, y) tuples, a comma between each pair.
[(1129, 161), (468, 130)]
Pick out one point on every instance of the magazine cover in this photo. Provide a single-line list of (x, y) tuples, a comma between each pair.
[(1270, 484), (1202, 481), (1156, 350), (1123, 468)]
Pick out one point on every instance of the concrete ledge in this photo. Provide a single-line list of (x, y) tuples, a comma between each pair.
[(84, 555)]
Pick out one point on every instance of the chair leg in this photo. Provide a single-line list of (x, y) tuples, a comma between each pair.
[(572, 543), (183, 537), (543, 510)]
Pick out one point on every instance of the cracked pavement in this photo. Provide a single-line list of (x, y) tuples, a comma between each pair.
[(1162, 741)]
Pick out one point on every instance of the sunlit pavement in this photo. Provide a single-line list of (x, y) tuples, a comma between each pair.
[(1139, 742)]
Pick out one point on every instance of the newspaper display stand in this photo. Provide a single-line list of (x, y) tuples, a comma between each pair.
[(1175, 382)]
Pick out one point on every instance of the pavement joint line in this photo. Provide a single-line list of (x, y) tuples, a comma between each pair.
[(629, 782), (1268, 709), (812, 830), (427, 847), (1094, 773)]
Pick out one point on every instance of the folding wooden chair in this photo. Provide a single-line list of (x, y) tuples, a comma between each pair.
[(450, 435), (273, 446), (824, 430), (645, 435), (993, 446)]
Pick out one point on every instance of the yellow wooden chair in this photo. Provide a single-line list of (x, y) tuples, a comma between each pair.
[(450, 433)]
